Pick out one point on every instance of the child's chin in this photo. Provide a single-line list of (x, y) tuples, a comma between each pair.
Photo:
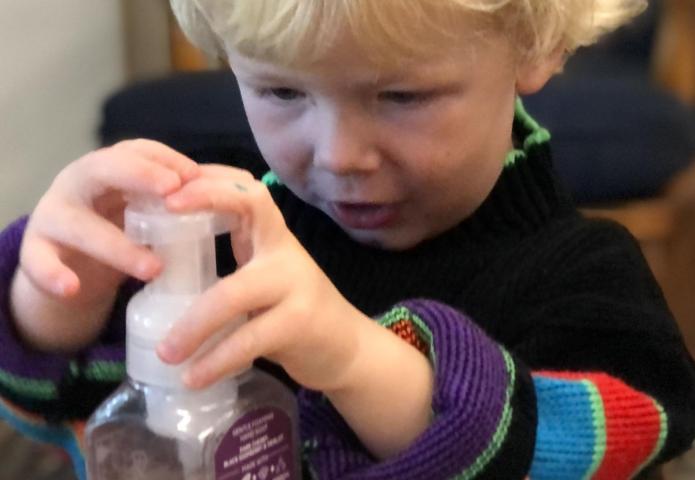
[(384, 240)]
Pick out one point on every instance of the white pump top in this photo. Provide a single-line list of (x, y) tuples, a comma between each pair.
[(186, 245)]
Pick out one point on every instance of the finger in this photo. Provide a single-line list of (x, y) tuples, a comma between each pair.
[(214, 170), (40, 262), (249, 289), (227, 179), (210, 193), (123, 170), (162, 154), (250, 201), (236, 352), (96, 237)]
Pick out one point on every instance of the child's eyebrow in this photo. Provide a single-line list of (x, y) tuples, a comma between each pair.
[(361, 81), (265, 76)]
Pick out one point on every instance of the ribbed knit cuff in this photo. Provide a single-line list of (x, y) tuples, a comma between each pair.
[(476, 386), (592, 425)]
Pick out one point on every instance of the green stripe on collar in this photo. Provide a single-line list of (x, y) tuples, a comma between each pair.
[(534, 134), (270, 178)]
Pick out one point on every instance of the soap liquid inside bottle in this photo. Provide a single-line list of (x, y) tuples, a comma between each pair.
[(244, 437)]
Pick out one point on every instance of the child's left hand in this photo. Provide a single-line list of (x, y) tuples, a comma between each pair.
[(297, 317)]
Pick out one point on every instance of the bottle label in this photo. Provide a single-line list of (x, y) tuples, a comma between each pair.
[(258, 446)]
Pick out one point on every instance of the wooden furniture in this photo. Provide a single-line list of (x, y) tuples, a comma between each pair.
[(184, 56), (674, 54)]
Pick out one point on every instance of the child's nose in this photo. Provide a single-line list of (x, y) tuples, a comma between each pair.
[(344, 144)]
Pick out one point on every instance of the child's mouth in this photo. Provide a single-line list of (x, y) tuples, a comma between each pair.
[(364, 216)]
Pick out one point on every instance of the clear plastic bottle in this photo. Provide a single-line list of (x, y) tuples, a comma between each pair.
[(152, 427)]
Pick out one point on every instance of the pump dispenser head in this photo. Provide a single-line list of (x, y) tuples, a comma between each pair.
[(185, 243)]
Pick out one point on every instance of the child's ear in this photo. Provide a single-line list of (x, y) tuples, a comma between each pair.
[(532, 75)]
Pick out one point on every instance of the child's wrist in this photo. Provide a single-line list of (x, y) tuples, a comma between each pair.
[(388, 383), (350, 343)]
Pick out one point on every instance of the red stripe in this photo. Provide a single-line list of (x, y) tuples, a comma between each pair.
[(633, 424)]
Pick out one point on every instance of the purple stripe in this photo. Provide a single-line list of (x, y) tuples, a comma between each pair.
[(17, 359), (471, 381), (106, 353)]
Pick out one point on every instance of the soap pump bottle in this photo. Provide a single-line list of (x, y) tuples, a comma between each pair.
[(152, 427)]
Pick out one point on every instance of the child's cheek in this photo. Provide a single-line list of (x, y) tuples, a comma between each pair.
[(288, 161)]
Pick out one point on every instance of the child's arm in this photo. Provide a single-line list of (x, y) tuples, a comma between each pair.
[(598, 383), (483, 408), (386, 393)]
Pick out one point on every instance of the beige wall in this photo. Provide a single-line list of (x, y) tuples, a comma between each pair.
[(58, 59)]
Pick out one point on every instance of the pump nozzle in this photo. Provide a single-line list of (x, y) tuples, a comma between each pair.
[(186, 245), (148, 222), (184, 242)]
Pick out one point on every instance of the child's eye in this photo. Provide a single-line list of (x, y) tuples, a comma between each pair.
[(282, 93), (404, 97)]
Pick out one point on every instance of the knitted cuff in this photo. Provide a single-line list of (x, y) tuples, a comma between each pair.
[(476, 384), (592, 425)]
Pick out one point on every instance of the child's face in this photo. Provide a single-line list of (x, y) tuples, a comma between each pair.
[(393, 157)]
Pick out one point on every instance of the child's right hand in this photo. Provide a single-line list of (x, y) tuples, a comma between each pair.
[(74, 253)]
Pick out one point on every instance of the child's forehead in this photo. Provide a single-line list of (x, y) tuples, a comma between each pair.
[(386, 42), (351, 66), (349, 56)]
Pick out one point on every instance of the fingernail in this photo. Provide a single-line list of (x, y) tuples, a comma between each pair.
[(146, 268), (61, 288), (64, 286)]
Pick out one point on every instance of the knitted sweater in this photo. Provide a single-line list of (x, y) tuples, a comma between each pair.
[(555, 355)]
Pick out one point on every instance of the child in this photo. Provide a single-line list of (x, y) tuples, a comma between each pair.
[(408, 187)]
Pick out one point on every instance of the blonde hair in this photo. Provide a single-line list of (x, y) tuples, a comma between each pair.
[(300, 32)]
